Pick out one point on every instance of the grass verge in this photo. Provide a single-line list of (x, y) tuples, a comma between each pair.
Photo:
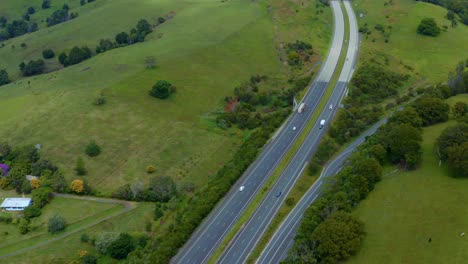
[(409, 207), (286, 159)]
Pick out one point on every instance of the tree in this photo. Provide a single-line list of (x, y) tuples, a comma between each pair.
[(32, 67), (450, 15), (124, 192), (31, 212), (120, 248), (92, 149), (337, 238), (48, 54), (4, 77), (452, 136), (104, 45), (56, 224), (88, 258), (406, 116), (55, 180), (143, 28), (23, 226), (460, 109), (84, 238), (431, 110), (80, 167), (122, 38), (35, 183), (62, 58), (104, 240), (45, 4), (31, 10), (457, 158), (41, 196), (428, 27), (163, 187), (78, 186), (403, 142), (77, 55), (162, 89)]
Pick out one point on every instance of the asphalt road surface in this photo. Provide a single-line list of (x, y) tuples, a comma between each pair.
[(283, 239), (247, 238), (216, 225)]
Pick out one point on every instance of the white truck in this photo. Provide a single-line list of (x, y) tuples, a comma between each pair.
[(322, 123), (301, 108)]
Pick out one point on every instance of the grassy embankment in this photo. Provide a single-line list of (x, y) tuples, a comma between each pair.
[(430, 58), (304, 181), (201, 57), (408, 208), (77, 213)]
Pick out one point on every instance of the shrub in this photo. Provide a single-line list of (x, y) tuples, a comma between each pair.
[(428, 27), (31, 212), (150, 169), (84, 238), (41, 196), (78, 186), (100, 100), (35, 183), (92, 149), (23, 226), (120, 248), (32, 67), (162, 89), (45, 4), (56, 224), (4, 77), (103, 241), (80, 167), (89, 259), (48, 54)]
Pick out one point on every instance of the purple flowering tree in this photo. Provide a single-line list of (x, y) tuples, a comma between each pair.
[(4, 168)]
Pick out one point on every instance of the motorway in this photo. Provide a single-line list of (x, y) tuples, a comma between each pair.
[(247, 238), (277, 248), (216, 225)]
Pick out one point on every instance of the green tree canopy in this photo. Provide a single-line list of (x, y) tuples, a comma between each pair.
[(403, 142), (431, 110), (406, 116), (452, 136), (120, 248), (337, 238), (56, 224), (4, 77), (428, 27), (162, 89)]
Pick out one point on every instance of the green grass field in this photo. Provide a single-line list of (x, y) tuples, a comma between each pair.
[(431, 58), (75, 212), (408, 208), (66, 250), (203, 58)]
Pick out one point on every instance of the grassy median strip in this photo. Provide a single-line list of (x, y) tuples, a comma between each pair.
[(304, 179)]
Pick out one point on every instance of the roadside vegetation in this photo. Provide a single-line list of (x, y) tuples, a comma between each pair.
[(89, 104), (411, 211), (398, 142)]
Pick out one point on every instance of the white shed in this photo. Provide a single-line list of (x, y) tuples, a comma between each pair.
[(15, 204)]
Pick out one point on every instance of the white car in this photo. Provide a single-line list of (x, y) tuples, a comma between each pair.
[(241, 188), (294, 128), (331, 107)]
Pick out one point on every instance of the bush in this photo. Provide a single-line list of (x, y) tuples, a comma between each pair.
[(75, 56), (32, 67), (45, 4), (31, 212), (92, 149), (78, 186), (100, 100), (84, 238), (24, 227), (48, 54), (162, 89), (89, 259), (431, 110), (104, 240), (56, 224), (4, 77), (41, 196), (428, 27), (150, 169), (120, 248), (80, 167)]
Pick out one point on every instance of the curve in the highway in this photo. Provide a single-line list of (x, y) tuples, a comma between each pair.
[(213, 229), (245, 241)]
